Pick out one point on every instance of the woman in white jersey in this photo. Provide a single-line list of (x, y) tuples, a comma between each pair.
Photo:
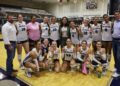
[(96, 31), (54, 55), (45, 29), (86, 31), (100, 58), (33, 59), (82, 53), (107, 35), (74, 32), (54, 31), (68, 56), (22, 37)]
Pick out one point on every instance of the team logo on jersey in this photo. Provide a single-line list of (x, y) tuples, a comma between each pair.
[(23, 29), (106, 29), (96, 31), (54, 29), (46, 28), (85, 33)]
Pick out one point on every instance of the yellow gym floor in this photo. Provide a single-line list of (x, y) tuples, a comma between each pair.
[(58, 79)]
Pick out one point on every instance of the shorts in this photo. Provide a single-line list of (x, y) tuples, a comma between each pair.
[(56, 60), (78, 61), (21, 42), (25, 60), (101, 61)]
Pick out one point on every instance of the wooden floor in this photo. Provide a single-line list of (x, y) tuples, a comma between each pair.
[(57, 79)]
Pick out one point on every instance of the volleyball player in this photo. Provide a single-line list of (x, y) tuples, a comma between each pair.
[(54, 55), (45, 50), (22, 37), (68, 56), (32, 59), (45, 29), (96, 31), (86, 31), (54, 31), (83, 54), (100, 58), (107, 35), (75, 33)]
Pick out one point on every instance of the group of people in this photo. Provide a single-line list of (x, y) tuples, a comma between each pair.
[(62, 46)]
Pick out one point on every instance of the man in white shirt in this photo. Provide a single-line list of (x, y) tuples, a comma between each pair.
[(9, 37)]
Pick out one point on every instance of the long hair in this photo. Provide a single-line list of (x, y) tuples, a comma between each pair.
[(61, 23)]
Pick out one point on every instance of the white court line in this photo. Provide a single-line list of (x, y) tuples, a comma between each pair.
[(110, 81), (19, 78)]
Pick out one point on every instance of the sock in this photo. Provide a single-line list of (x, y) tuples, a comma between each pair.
[(19, 57)]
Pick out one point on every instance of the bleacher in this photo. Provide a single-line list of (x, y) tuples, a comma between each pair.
[(25, 11)]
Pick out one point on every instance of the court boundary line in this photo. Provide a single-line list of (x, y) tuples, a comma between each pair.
[(109, 81), (18, 77)]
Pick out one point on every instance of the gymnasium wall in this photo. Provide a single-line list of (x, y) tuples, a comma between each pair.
[(22, 3), (77, 10)]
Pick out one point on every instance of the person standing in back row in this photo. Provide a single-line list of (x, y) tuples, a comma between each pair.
[(96, 31), (45, 29), (116, 43), (33, 29), (64, 31), (54, 31), (22, 38), (9, 33), (107, 35)]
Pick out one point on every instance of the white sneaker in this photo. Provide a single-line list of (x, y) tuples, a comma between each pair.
[(115, 74), (114, 70), (28, 74), (50, 69), (104, 73), (2, 76), (22, 68)]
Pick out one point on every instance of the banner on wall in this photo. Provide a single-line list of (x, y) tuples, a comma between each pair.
[(91, 4)]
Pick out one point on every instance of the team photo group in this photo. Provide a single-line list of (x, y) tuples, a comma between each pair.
[(62, 46)]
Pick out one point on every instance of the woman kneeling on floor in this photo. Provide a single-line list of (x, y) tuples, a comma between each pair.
[(53, 57), (99, 59), (83, 57), (68, 56), (33, 60)]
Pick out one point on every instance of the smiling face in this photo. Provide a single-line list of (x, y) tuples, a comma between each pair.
[(84, 44), (106, 17), (86, 22), (98, 45), (20, 17), (68, 42), (64, 20), (117, 15), (38, 45), (33, 20), (10, 18), (46, 42), (53, 19), (54, 44), (46, 20), (72, 24), (95, 20)]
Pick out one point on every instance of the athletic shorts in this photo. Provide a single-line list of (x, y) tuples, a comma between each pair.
[(21, 42)]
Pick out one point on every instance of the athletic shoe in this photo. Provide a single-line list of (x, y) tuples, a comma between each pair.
[(22, 68), (50, 69), (115, 75), (14, 70), (104, 73), (28, 74)]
